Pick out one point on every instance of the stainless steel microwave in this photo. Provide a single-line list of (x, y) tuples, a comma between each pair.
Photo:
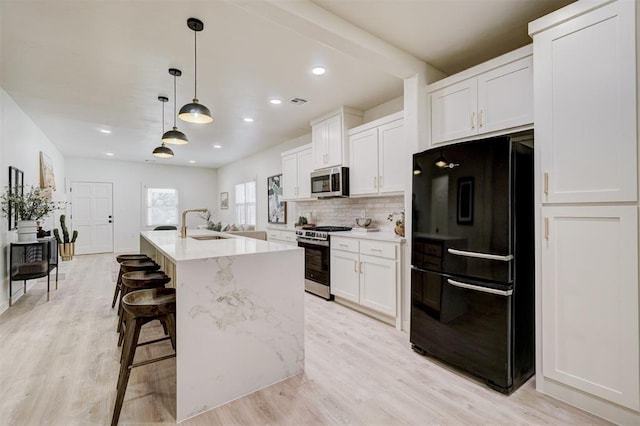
[(332, 182)]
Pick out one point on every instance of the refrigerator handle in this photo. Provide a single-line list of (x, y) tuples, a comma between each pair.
[(481, 255), (479, 288)]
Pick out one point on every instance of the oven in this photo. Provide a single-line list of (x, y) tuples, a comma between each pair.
[(315, 242), (316, 266)]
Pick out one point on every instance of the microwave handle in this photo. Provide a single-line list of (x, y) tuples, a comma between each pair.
[(479, 288), (480, 255)]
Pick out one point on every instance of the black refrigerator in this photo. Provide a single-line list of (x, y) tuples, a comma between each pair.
[(472, 258)]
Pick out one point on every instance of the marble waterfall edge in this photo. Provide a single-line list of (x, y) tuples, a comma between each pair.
[(240, 326)]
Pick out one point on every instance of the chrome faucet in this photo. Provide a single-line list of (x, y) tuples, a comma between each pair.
[(183, 228)]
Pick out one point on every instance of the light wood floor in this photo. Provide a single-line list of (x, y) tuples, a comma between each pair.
[(59, 366)]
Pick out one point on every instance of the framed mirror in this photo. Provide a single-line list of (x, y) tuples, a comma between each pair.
[(16, 186)]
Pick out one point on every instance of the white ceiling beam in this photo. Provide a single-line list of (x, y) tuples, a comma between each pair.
[(310, 20)]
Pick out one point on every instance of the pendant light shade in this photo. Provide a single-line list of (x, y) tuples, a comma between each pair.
[(195, 112), (162, 151), (174, 136)]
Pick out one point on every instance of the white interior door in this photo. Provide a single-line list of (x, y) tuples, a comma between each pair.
[(92, 216)]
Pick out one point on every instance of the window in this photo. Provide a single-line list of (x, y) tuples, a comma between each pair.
[(161, 206), (246, 203)]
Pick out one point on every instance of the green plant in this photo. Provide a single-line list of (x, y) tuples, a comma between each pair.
[(65, 232), (397, 216), (32, 205)]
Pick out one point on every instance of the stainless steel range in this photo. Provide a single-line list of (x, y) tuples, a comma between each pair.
[(315, 242)]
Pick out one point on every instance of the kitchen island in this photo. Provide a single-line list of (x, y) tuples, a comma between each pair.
[(239, 314)]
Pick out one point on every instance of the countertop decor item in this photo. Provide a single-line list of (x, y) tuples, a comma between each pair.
[(363, 222), (399, 219), (66, 246)]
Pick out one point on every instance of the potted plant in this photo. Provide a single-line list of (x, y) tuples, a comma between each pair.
[(399, 218), (30, 207), (66, 246)]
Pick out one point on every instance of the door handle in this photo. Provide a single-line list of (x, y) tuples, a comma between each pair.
[(479, 288), (355, 266), (473, 120)]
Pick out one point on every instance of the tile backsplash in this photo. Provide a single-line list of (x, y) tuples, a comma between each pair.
[(343, 211)]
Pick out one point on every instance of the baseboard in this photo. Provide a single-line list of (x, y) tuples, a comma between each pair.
[(589, 403)]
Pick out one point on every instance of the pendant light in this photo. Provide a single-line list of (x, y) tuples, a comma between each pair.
[(195, 112), (162, 151), (175, 136)]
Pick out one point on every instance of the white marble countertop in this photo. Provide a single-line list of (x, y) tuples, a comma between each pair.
[(178, 249), (375, 235)]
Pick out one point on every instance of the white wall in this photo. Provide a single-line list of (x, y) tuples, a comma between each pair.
[(21, 142), (382, 110), (257, 167), (196, 186)]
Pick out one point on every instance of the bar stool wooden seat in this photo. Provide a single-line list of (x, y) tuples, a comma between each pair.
[(142, 307), (123, 258), (136, 281), (133, 266)]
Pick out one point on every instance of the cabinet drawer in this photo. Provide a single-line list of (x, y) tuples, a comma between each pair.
[(346, 244), (273, 235), (288, 236), (377, 248)]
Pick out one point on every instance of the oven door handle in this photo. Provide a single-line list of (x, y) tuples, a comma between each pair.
[(481, 255), (479, 288), (304, 241)]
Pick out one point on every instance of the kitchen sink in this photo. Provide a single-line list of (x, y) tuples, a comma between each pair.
[(207, 237)]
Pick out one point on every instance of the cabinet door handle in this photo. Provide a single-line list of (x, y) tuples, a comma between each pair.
[(355, 266), (546, 183), (546, 228), (375, 182), (481, 118), (360, 267), (380, 181), (473, 120)]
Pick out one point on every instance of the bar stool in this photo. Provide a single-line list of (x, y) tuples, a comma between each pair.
[(136, 281), (133, 266), (142, 307), (123, 258)]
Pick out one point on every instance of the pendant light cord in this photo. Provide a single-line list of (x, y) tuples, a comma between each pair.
[(174, 101), (195, 62), (163, 118)]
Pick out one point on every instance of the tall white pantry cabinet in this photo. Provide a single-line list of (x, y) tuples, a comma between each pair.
[(585, 110)]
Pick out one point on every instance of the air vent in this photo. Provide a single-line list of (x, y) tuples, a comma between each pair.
[(298, 101)]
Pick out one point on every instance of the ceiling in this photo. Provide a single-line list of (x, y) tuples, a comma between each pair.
[(76, 67)]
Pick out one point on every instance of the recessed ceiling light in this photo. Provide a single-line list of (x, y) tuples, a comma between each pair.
[(110, 154), (107, 131), (216, 146), (248, 120), (275, 101), (192, 161), (318, 70)]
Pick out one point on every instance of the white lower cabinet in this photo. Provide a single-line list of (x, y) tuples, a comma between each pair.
[(589, 258), (366, 273), (286, 236)]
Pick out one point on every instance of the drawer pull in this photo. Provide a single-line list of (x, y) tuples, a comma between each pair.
[(343, 245), (378, 250)]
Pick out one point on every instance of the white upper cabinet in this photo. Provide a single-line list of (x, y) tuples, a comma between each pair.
[(585, 86), (329, 137), (296, 171), (490, 97), (453, 111), (378, 157)]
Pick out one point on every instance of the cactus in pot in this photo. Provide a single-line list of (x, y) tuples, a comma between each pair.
[(66, 246)]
